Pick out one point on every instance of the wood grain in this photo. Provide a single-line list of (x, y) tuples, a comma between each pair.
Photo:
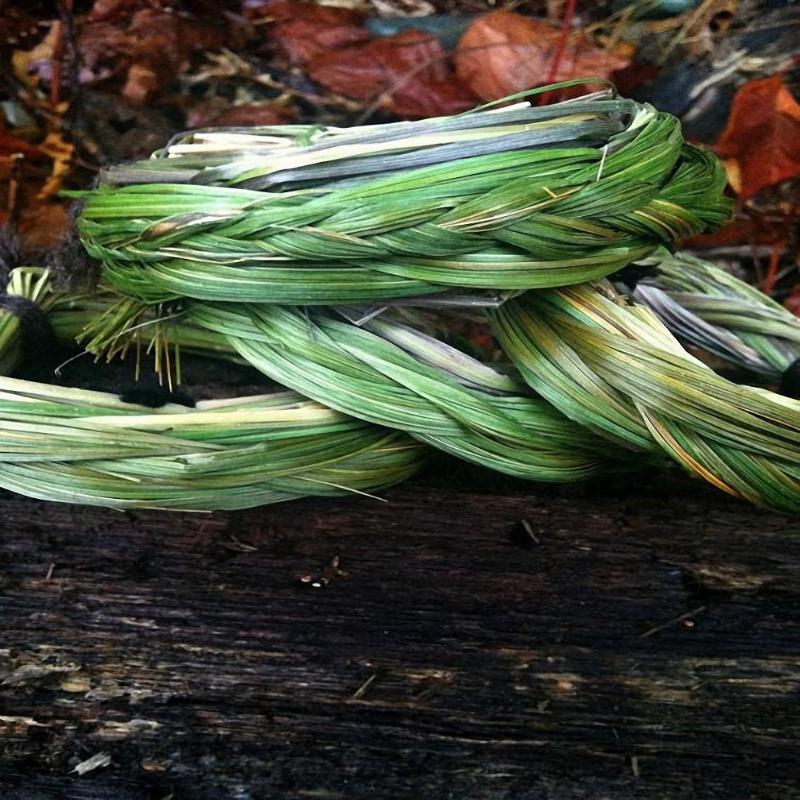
[(626, 641)]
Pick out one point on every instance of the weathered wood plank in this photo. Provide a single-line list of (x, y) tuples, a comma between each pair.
[(632, 643)]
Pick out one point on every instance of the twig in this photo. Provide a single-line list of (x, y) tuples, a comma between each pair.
[(359, 693), (526, 526), (566, 25), (675, 621), (772, 270), (228, 64), (691, 20), (12, 193)]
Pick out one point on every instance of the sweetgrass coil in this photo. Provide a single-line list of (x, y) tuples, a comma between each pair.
[(711, 309), (615, 369), (226, 230), (81, 446), (391, 372), (524, 197)]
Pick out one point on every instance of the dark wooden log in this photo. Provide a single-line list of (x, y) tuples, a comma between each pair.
[(477, 638)]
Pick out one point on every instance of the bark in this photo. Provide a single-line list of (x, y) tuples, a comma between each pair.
[(625, 641)]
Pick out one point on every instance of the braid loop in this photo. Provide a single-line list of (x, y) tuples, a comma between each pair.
[(615, 369), (80, 446), (249, 234), (520, 200)]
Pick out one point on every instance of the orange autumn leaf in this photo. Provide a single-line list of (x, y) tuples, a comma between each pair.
[(761, 142), (503, 52), (60, 152)]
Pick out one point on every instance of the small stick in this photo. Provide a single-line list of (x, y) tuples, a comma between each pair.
[(681, 618), (526, 526), (555, 63), (364, 688)]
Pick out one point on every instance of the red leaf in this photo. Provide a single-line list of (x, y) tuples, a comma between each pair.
[(304, 30), (792, 302), (149, 49), (11, 145), (762, 138), (115, 10), (242, 115), (633, 77), (410, 68), (738, 232), (503, 52)]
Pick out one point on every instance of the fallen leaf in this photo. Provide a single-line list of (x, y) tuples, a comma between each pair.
[(761, 142), (633, 77), (503, 52), (60, 152), (146, 49), (739, 232), (42, 227), (105, 53), (30, 66), (247, 114), (116, 10), (408, 73), (303, 30), (11, 145), (140, 83)]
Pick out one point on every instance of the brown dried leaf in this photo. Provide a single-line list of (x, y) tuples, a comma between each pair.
[(503, 52), (140, 83), (242, 115), (11, 145), (149, 50), (116, 10), (792, 302), (409, 69), (303, 30), (31, 65), (43, 227)]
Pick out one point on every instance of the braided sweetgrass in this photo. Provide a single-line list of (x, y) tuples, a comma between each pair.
[(709, 308), (521, 197), (390, 372), (615, 369), (225, 231), (81, 446)]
